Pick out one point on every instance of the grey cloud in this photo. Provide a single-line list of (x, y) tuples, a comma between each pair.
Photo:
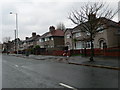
[(36, 17)]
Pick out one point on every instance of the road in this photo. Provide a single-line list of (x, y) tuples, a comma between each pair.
[(20, 72)]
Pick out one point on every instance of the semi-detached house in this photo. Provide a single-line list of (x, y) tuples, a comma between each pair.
[(52, 39), (109, 38)]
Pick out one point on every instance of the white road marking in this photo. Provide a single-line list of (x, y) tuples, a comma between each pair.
[(16, 65), (67, 86)]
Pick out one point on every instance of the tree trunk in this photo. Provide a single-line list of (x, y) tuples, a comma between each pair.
[(92, 49)]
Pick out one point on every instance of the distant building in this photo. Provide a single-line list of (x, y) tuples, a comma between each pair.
[(16, 44), (8, 46), (1, 47), (11, 46)]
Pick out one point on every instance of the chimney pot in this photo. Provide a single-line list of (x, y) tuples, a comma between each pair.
[(33, 34), (26, 38), (51, 28)]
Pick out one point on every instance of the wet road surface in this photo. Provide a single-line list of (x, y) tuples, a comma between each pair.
[(28, 73)]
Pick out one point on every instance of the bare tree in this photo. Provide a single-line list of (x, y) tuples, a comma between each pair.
[(91, 17), (61, 26), (6, 39)]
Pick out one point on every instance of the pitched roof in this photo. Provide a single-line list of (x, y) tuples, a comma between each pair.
[(57, 33), (53, 33), (32, 38), (105, 21), (110, 23), (68, 29)]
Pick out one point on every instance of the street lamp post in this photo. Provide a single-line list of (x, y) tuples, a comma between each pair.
[(16, 28), (15, 41)]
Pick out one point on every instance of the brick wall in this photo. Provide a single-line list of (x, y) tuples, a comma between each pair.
[(103, 52), (97, 52)]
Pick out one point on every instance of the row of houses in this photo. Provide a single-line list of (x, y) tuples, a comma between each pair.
[(50, 40), (72, 38)]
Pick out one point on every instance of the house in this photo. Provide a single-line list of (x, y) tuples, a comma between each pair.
[(68, 37), (108, 38), (16, 44), (8, 46), (11, 46), (1, 47), (29, 42), (76, 39), (52, 39)]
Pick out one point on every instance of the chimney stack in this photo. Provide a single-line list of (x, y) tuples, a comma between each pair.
[(51, 28), (33, 34), (26, 38), (91, 17)]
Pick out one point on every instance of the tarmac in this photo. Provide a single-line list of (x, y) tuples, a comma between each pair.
[(99, 62)]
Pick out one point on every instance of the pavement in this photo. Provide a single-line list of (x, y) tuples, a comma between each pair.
[(99, 62)]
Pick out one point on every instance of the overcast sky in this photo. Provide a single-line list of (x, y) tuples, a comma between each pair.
[(38, 15)]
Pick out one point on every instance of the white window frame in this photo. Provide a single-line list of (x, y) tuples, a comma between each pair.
[(78, 34), (88, 33), (68, 36), (41, 46), (40, 40), (79, 45), (101, 27), (51, 38), (88, 44), (46, 39)]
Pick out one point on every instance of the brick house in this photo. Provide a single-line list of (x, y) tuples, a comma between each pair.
[(52, 39), (108, 38), (29, 42)]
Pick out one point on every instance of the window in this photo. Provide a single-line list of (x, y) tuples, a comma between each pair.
[(68, 35), (46, 39), (88, 33), (101, 31), (79, 45), (24, 43), (51, 38), (102, 44), (41, 40), (78, 34), (51, 46), (41, 46), (100, 28), (88, 45)]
